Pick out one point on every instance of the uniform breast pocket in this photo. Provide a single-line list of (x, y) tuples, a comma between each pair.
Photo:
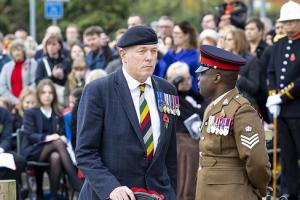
[(224, 176), (212, 143)]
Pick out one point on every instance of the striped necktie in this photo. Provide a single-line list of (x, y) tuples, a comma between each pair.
[(145, 121)]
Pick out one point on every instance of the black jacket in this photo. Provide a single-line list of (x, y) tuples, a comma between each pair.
[(5, 129)]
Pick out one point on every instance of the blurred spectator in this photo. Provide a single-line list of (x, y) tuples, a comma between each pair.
[(76, 78), (185, 50), (72, 36), (248, 78), (30, 46), (4, 58), (4, 103), (21, 34), (18, 73), (51, 30), (208, 37), (98, 57), (135, 20), (191, 105), (46, 142), (53, 65), (118, 34), (269, 37), (165, 27), (222, 34), (94, 74), (116, 63), (232, 12), (279, 30), (76, 52), (208, 22), (27, 100), (254, 30), (7, 40)]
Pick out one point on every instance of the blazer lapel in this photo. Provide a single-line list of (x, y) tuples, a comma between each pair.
[(123, 92)]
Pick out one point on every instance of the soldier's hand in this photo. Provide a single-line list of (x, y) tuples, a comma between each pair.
[(122, 193)]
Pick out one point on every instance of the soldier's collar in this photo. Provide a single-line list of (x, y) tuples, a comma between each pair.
[(295, 36)]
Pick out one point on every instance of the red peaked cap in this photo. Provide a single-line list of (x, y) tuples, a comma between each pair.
[(216, 58)]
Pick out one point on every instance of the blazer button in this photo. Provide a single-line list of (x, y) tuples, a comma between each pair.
[(202, 138)]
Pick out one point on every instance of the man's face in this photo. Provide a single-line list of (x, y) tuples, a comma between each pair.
[(139, 61), (252, 32), (165, 28), (93, 42), (134, 21), (18, 54), (72, 34), (279, 28), (208, 22), (206, 83), (291, 27)]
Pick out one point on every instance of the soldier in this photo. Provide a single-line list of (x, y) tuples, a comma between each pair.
[(233, 159), (284, 91)]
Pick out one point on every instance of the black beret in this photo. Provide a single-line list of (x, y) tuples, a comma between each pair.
[(138, 35)]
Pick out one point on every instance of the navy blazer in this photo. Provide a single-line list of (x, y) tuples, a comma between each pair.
[(5, 129), (110, 150), (33, 127)]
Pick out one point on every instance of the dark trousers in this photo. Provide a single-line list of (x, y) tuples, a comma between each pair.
[(289, 130)]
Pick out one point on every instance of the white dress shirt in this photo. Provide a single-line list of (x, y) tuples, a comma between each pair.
[(151, 101)]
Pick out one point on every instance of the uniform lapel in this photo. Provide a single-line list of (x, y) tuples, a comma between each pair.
[(223, 102), (123, 93)]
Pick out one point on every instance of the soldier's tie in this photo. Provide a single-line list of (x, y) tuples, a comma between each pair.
[(145, 122)]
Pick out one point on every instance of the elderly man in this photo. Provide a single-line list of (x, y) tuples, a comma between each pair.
[(234, 163), (126, 139), (284, 90)]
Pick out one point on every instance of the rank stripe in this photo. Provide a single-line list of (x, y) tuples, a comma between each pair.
[(250, 146), (249, 138), (250, 142)]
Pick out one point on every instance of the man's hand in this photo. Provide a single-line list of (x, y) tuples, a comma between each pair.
[(122, 193), (274, 110), (273, 100)]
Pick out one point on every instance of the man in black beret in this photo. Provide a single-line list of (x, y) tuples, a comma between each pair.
[(126, 127)]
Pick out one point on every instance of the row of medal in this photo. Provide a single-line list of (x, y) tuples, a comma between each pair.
[(218, 125), (168, 103)]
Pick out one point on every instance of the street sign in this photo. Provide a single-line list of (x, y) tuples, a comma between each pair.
[(54, 10)]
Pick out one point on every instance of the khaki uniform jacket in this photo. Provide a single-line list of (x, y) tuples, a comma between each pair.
[(233, 166)]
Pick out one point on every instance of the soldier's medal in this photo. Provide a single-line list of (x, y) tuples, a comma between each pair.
[(209, 124), (160, 101), (222, 125), (227, 126), (177, 106), (217, 123), (212, 125)]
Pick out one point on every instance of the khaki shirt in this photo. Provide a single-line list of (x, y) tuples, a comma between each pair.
[(233, 158)]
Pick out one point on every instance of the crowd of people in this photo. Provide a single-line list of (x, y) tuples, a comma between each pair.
[(41, 87)]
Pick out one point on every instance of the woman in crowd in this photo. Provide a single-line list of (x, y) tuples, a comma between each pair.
[(76, 52), (192, 107), (46, 142), (76, 78), (248, 79), (185, 50), (27, 100), (18, 73)]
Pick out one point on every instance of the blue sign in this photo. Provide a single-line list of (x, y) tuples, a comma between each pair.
[(54, 10)]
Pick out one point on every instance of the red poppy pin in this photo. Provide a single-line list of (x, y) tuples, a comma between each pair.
[(166, 120), (292, 58)]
